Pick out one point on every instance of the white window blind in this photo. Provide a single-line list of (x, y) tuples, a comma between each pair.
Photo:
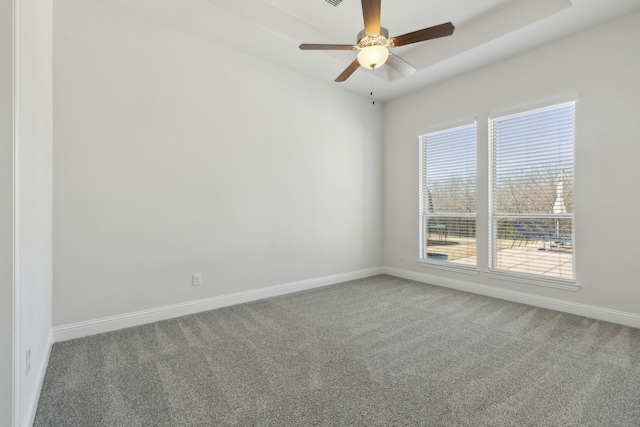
[(448, 196), (531, 218)]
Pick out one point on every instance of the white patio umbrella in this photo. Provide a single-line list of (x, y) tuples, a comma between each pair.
[(558, 205)]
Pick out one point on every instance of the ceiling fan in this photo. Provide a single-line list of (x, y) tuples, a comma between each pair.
[(374, 42)]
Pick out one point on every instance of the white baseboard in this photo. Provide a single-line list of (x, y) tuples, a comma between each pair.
[(112, 323), (591, 311), (32, 405)]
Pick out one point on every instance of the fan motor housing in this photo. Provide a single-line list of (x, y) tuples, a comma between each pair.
[(366, 40)]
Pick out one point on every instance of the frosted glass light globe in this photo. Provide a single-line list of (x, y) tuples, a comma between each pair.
[(372, 57)]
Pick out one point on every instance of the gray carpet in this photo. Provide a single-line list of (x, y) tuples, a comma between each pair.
[(380, 351)]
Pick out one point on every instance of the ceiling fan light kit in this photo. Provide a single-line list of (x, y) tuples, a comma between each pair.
[(374, 49), (373, 43), (372, 57)]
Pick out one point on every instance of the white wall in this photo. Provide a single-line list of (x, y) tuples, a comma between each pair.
[(602, 67), (175, 156), (26, 220), (6, 210), (34, 199)]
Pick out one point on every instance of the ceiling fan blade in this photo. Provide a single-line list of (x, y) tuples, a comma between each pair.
[(348, 71), (441, 30), (371, 14), (400, 65), (327, 47)]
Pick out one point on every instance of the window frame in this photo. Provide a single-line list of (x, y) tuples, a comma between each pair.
[(528, 278), (423, 216)]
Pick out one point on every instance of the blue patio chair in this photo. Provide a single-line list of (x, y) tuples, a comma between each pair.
[(554, 237), (525, 235), (541, 230)]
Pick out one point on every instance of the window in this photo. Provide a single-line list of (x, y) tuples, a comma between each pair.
[(531, 206), (448, 197)]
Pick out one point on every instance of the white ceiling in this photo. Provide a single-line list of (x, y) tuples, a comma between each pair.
[(486, 31)]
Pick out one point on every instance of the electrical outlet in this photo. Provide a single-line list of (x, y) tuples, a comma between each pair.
[(28, 361), (196, 279), (402, 256)]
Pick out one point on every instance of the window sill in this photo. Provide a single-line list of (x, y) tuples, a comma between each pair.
[(530, 279), (449, 266)]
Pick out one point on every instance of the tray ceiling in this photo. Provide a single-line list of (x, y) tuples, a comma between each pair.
[(486, 31)]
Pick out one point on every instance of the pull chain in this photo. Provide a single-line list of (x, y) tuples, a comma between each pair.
[(373, 84)]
